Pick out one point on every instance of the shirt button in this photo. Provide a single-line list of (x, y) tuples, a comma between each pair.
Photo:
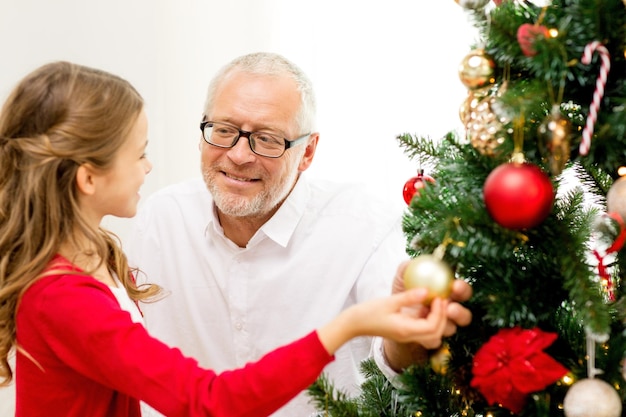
[(238, 325)]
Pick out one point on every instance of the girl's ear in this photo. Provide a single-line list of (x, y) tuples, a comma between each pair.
[(85, 179)]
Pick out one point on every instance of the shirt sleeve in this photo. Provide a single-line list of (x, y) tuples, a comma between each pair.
[(378, 353), (81, 322)]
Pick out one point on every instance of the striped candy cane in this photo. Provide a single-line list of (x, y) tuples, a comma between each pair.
[(605, 66)]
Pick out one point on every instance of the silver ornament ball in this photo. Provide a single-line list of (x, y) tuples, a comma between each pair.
[(592, 397), (472, 4), (616, 198)]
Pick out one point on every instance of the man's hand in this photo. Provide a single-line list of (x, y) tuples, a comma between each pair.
[(402, 355)]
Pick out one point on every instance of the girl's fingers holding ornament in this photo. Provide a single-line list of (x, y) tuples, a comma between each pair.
[(434, 325)]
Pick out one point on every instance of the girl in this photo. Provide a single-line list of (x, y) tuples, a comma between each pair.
[(72, 150)]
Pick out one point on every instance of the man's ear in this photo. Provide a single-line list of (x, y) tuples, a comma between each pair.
[(85, 180), (309, 153)]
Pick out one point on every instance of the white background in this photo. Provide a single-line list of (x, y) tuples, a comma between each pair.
[(379, 69)]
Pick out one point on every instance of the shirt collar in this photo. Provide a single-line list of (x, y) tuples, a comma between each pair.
[(281, 226)]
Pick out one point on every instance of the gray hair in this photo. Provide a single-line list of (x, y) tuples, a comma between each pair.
[(267, 63)]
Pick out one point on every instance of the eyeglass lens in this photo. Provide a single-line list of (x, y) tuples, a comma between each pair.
[(226, 136)]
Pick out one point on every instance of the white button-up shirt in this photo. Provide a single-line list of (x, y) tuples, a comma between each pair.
[(327, 247)]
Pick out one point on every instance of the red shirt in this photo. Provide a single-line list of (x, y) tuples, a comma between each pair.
[(87, 358)]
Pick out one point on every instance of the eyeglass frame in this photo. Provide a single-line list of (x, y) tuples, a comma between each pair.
[(246, 134)]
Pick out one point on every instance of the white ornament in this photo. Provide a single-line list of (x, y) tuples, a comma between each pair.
[(472, 4), (592, 397), (616, 198), (541, 3)]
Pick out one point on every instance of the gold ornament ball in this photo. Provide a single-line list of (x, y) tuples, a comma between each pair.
[(477, 70), (592, 397), (483, 126), (616, 198), (554, 140), (439, 359), (430, 272)]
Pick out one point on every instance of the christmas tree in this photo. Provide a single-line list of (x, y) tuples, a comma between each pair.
[(526, 204)]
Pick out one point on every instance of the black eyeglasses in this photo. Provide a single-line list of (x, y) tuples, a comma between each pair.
[(224, 135)]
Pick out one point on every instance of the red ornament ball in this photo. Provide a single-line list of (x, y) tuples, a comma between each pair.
[(518, 196), (414, 185), (528, 34)]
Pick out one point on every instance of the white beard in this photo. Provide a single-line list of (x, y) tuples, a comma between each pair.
[(262, 203)]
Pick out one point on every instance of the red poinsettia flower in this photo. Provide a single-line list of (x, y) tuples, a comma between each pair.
[(512, 364)]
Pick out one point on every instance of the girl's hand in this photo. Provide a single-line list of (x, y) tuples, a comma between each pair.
[(400, 317)]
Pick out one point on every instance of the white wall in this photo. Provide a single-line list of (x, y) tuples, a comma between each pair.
[(380, 69)]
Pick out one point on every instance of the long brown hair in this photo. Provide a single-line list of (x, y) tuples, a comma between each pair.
[(60, 116)]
